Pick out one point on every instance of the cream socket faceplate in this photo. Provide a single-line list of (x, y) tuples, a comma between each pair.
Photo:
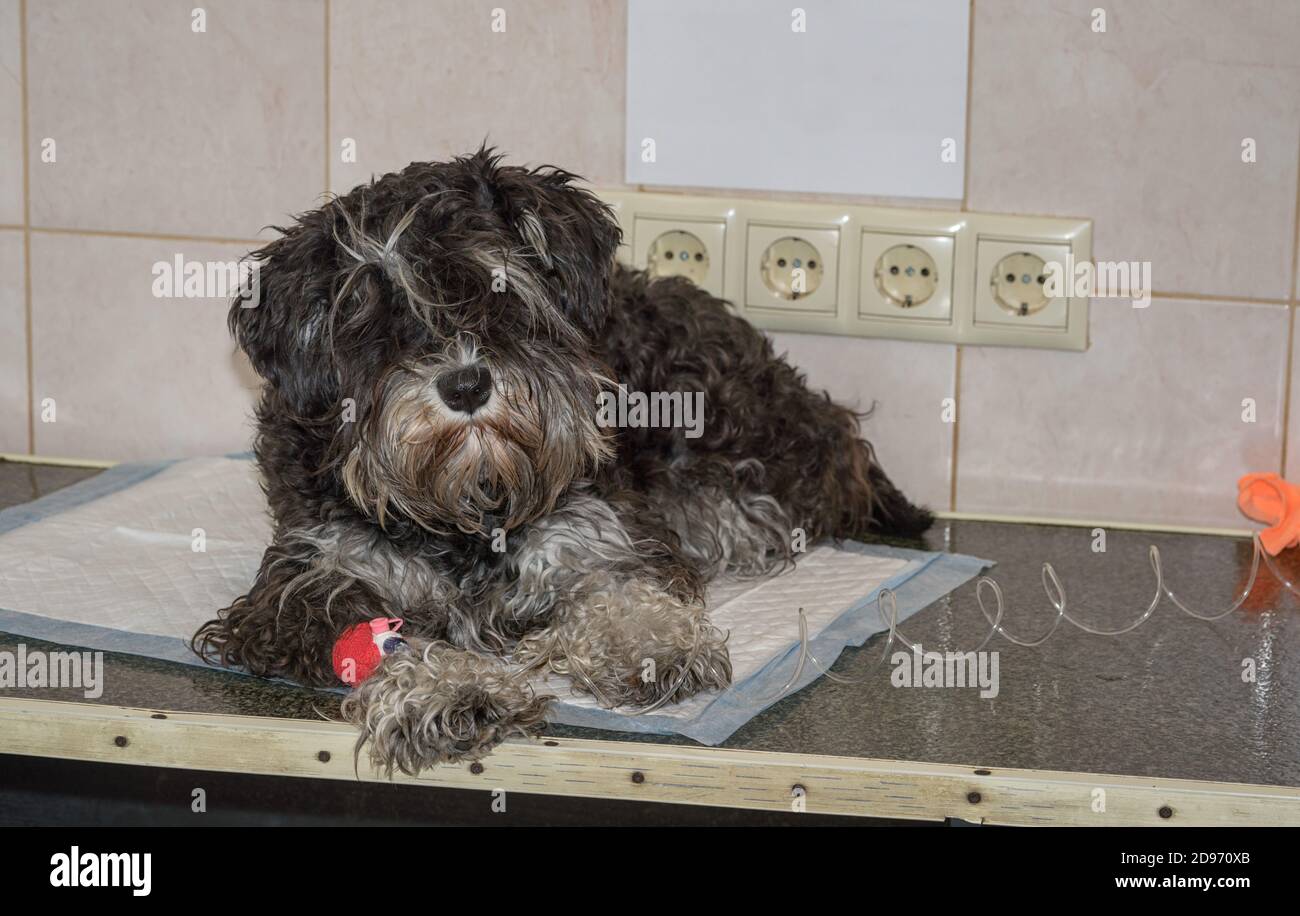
[(931, 275)]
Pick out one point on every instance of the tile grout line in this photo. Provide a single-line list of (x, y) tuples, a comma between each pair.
[(27, 231), (1295, 233), (1286, 386), (1209, 298), (956, 425), (148, 236), (965, 208), (970, 95), (1223, 300), (327, 99), (1290, 337)]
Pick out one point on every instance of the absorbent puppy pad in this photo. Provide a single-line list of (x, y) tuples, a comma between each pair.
[(113, 563)]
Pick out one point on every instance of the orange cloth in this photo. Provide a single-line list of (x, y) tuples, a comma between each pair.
[(1269, 499)]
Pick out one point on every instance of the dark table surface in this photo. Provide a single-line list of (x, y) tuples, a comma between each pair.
[(1168, 699)]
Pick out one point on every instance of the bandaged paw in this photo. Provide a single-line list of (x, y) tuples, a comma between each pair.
[(436, 704)]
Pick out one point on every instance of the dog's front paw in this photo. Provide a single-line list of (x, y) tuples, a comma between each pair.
[(436, 704), (675, 672), (634, 645)]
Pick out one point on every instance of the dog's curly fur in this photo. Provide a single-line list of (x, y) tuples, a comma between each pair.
[(526, 530)]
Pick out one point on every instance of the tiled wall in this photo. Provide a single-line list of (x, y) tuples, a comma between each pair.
[(174, 142)]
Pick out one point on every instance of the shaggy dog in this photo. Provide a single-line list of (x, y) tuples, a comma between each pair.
[(434, 347)]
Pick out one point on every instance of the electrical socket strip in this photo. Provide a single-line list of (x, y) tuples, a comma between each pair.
[(970, 278)]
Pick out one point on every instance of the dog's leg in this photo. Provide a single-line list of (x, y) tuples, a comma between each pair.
[(430, 703), (433, 703), (286, 625), (629, 643), (846, 493), (620, 621)]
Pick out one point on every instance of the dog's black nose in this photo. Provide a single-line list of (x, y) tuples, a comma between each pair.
[(465, 389)]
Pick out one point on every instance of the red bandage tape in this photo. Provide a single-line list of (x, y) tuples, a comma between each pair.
[(363, 646)]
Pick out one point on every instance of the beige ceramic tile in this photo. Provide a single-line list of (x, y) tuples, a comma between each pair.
[(907, 382), (11, 116), (1292, 468), (1141, 128), (132, 376), (13, 345), (1146, 426), (433, 80), (162, 130)]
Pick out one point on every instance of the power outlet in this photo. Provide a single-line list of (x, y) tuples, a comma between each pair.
[(906, 276), (791, 268), (1011, 301), (1011, 279), (679, 253), (905, 279), (673, 247), (659, 228), (966, 278)]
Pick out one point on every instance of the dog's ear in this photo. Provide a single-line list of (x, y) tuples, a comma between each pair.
[(280, 319), (582, 236), (572, 232)]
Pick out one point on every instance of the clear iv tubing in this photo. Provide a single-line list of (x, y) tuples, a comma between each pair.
[(1055, 594)]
